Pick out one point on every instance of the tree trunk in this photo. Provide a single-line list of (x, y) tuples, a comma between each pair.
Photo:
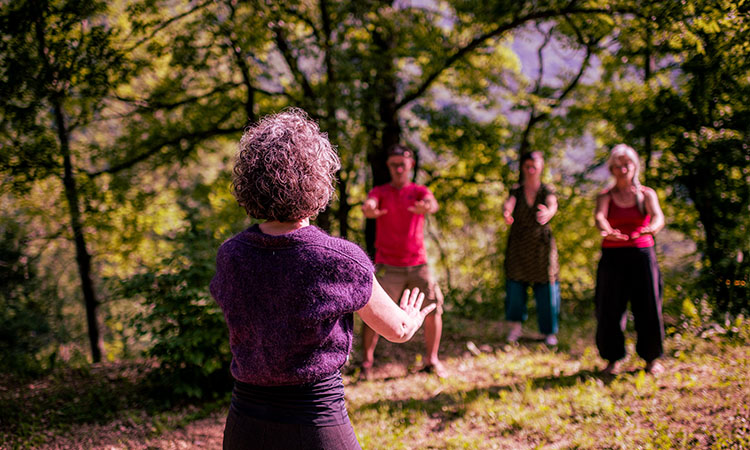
[(384, 90), (82, 255), (332, 124), (647, 138), (343, 212)]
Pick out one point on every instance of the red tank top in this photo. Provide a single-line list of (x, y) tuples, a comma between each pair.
[(628, 220)]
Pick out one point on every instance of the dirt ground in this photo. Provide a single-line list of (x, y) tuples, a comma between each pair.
[(201, 434)]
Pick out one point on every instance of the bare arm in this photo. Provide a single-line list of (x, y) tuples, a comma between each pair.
[(600, 215), (508, 207), (547, 211), (654, 210), (395, 323)]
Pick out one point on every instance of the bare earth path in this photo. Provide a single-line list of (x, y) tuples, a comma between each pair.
[(200, 434)]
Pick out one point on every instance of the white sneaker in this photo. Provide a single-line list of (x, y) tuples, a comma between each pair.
[(550, 340), (515, 332)]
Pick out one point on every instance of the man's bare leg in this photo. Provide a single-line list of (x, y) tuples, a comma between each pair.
[(433, 330), (369, 342)]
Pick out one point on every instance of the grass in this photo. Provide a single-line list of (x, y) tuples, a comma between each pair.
[(531, 397), (497, 396)]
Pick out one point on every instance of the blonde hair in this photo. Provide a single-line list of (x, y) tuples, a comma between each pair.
[(627, 151), (624, 150)]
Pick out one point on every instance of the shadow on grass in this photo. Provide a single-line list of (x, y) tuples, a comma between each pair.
[(70, 396), (452, 405), (458, 331), (563, 381)]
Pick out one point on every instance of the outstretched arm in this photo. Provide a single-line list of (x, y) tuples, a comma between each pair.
[(654, 210), (370, 208), (395, 323), (508, 207), (427, 205), (547, 209)]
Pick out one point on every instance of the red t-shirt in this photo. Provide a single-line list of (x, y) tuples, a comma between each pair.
[(628, 221), (399, 235)]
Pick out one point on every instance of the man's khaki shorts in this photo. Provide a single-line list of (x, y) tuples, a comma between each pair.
[(395, 279)]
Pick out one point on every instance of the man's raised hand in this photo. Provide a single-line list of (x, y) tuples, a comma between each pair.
[(370, 209)]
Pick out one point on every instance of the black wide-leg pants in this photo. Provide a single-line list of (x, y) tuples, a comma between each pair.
[(629, 275)]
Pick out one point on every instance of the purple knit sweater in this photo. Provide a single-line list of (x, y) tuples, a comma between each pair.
[(288, 302)]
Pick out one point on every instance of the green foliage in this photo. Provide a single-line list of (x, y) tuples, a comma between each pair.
[(55, 53), (60, 62), (154, 94), (184, 325), (687, 115), (578, 244), (25, 329), (467, 179)]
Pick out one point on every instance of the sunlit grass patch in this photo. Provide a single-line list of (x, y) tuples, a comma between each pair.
[(529, 396)]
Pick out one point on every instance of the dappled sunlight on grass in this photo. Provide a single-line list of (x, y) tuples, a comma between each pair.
[(528, 396), (497, 396)]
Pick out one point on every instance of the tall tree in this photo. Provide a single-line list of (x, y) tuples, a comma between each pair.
[(712, 135), (59, 63)]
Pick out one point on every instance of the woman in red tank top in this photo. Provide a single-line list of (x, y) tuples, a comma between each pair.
[(628, 216)]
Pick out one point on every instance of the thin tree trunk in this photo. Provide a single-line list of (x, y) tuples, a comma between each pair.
[(82, 255), (647, 138), (71, 193), (343, 212), (385, 91), (332, 125)]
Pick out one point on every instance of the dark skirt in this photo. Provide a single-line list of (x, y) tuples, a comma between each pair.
[(311, 416), (243, 432)]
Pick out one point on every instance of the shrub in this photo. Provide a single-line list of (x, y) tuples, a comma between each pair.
[(24, 323), (185, 327)]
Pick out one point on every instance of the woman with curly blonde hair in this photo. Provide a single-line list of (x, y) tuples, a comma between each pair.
[(288, 290)]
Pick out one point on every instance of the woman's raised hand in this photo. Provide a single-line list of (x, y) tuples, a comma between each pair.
[(614, 235), (411, 302), (642, 231), (544, 214)]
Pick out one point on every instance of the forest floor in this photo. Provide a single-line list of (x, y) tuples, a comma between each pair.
[(496, 396)]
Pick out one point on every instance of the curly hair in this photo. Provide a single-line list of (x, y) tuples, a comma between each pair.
[(285, 167)]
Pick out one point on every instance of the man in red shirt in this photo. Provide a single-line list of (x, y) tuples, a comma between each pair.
[(400, 258)]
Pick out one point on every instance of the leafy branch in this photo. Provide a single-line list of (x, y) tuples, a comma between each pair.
[(478, 41)]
